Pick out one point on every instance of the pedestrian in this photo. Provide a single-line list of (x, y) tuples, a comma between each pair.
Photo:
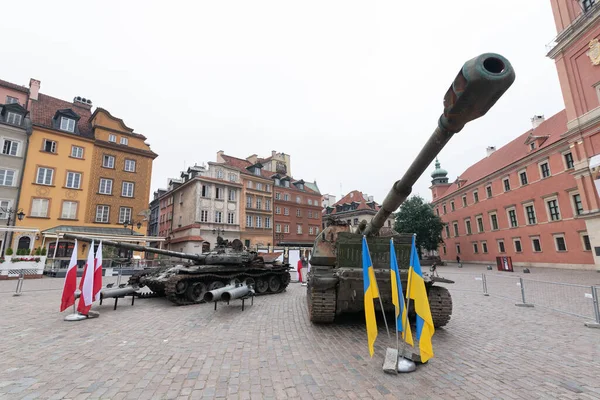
[(300, 263), (458, 259), (304, 266)]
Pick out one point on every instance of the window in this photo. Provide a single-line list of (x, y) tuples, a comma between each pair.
[(278, 228), (10, 147), (532, 146), (219, 174), (124, 141), (257, 171), (180, 197), (204, 216), (127, 190), (108, 162), (310, 230), (506, 182), (444, 208), (268, 204), (468, 226), (248, 201), (124, 214), (268, 187), (501, 248), (299, 229), (219, 193), (479, 224), (494, 221), (587, 246), (523, 177), (4, 205), (437, 211), (475, 197), (286, 229), (452, 206), (488, 191), (517, 243), (530, 211), (559, 240), (102, 213), (286, 211), (484, 248), (587, 4), (112, 138), (14, 118), (545, 170), (475, 248), (44, 176), (268, 222), (286, 197), (464, 201), (535, 242), (105, 186), (76, 152), (11, 100), (73, 180), (230, 218), (447, 228), (218, 216), (455, 225), (67, 124), (249, 184), (231, 194), (578, 204), (458, 249), (232, 177), (298, 213), (277, 210), (49, 146), (7, 177), (512, 218), (39, 207), (569, 160), (310, 202), (259, 203), (298, 199), (553, 210), (205, 191), (249, 221), (258, 222), (130, 165), (277, 196)]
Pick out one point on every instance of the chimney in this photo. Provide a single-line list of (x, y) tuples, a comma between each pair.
[(537, 120), (82, 102), (220, 158), (490, 149), (252, 159), (34, 88), (273, 152)]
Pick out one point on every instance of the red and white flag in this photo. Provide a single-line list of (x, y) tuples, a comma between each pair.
[(68, 295), (98, 273), (86, 285)]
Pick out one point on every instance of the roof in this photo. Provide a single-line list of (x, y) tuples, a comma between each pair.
[(44, 109), (14, 86), (357, 197), (512, 152)]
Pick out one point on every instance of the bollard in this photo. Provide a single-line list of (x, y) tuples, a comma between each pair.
[(596, 309), (485, 291), (523, 304), (19, 289)]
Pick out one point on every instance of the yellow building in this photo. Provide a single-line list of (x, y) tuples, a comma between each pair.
[(84, 173)]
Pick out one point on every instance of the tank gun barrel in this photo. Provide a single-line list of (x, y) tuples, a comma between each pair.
[(137, 247), (477, 87)]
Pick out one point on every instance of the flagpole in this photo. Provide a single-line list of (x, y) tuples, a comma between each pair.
[(405, 365), (383, 313)]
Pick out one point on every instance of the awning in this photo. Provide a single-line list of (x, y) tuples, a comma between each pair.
[(594, 161), (106, 233)]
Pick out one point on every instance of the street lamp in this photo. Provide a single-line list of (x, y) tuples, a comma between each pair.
[(10, 213), (132, 224), (218, 231), (279, 237)]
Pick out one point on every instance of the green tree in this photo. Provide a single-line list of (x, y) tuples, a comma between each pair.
[(417, 216)]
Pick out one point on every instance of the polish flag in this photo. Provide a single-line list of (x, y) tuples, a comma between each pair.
[(86, 285), (98, 273), (68, 295)]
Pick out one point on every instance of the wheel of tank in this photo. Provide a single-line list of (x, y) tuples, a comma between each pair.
[(181, 287), (235, 282), (285, 278), (440, 304), (250, 282), (262, 285), (195, 292), (215, 285), (274, 283)]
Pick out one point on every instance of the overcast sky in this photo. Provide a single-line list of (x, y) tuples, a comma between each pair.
[(350, 89)]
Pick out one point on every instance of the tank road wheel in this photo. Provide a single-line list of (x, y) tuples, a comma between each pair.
[(181, 287), (285, 278), (250, 282), (261, 285), (195, 292), (440, 303), (215, 285), (321, 305), (274, 284)]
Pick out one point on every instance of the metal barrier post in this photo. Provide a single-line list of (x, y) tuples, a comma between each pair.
[(119, 276), (596, 309), (19, 288), (485, 291), (523, 304)]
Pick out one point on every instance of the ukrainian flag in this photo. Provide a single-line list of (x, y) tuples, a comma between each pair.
[(398, 297), (418, 293), (371, 293)]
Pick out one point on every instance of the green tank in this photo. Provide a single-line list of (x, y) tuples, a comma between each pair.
[(335, 279)]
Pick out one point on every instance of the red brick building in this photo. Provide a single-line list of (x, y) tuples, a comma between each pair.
[(353, 208)]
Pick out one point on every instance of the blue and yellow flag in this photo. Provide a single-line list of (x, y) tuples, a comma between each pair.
[(398, 297), (418, 293), (371, 292)]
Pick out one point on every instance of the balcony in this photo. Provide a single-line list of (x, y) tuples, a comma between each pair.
[(590, 12)]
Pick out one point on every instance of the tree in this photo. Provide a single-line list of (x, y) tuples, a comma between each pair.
[(417, 216)]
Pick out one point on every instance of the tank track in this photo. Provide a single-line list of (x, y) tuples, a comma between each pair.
[(321, 305), (207, 279), (440, 304)]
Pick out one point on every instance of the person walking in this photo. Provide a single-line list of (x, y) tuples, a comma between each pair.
[(300, 264)]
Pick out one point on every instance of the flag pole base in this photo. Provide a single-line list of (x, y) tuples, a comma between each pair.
[(75, 317), (390, 361), (405, 365)]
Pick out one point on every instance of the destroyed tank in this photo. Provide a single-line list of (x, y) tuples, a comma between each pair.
[(335, 279), (227, 264)]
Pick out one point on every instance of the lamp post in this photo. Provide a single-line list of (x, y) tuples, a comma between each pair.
[(10, 213), (132, 224), (218, 231)]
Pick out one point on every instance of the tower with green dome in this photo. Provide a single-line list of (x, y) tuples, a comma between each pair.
[(439, 175)]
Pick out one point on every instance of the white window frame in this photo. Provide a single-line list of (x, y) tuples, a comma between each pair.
[(277, 210), (498, 241), (515, 240), (219, 217), (249, 221), (45, 175), (13, 143), (268, 204), (564, 158), (67, 124), (6, 174), (468, 226), (286, 228), (5, 204), (268, 222), (248, 201), (465, 204), (286, 197), (573, 204), (484, 247), (547, 207), (525, 205), (298, 212), (46, 209), (524, 170), (581, 236), (12, 100), (75, 151), (491, 190), (478, 218), (508, 210), (231, 218), (125, 192), (53, 146), (102, 208), (259, 221), (76, 178), (310, 230), (547, 162), (125, 214), (531, 239), (12, 118), (452, 206), (455, 229), (259, 203), (112, 138), (475, 196), (277, 228), (299, 229), (124, 141), (286, 211), (129, 165), (219, 193), (203, 215), (231, 194), (555, 236), (108, 161), (108, 183), (492, 222)]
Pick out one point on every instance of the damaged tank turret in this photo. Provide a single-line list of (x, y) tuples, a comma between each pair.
[(335, 279), (227, 264)]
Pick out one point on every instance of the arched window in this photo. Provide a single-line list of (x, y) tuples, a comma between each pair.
[(24, 243)]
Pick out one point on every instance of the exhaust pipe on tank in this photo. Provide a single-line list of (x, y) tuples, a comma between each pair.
[(215, 295), (236, 293)]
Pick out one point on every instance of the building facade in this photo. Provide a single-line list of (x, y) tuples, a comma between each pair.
[(354, 208), (576, 52)]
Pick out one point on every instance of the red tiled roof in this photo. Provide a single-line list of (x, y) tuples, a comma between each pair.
[(44, 109), (512, 152), (14, 86), (355, 196)]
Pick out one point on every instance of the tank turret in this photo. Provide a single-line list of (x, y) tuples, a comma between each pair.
[(335, 278)]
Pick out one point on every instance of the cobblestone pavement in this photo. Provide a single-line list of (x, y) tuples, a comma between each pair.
[(153, 350)]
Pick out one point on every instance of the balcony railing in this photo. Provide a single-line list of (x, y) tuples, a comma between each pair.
[(589, 8)]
